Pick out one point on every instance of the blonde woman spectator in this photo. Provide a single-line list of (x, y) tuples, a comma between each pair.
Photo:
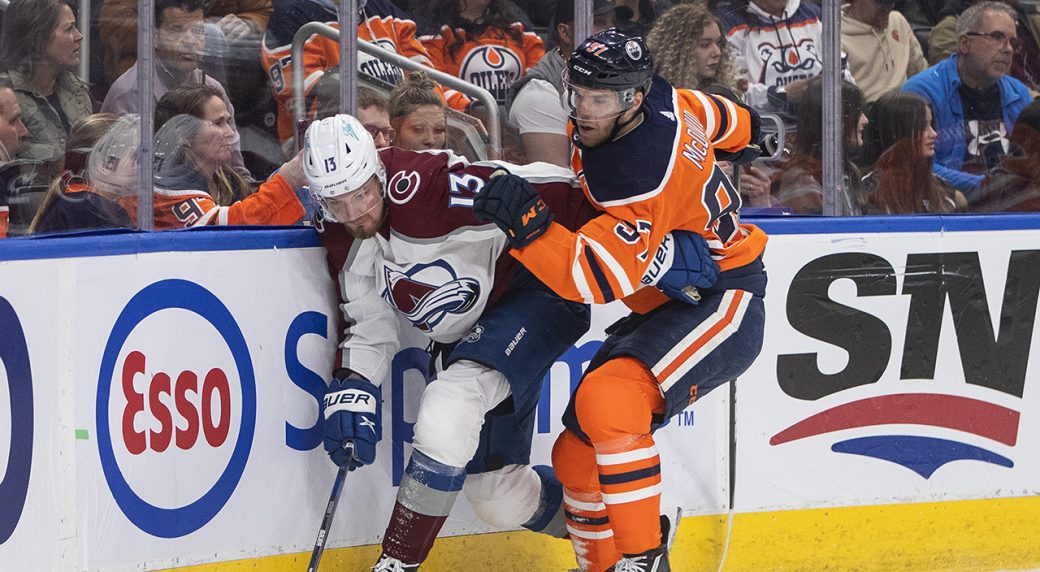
[(72, 204), (39, 48), (689, 48), (418, 114)]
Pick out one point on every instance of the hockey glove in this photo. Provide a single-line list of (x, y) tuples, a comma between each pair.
[(514, 206), (691, 267), (352, 415)]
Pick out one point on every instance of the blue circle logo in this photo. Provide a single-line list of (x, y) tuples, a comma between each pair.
[(175, 522), (14, 355)]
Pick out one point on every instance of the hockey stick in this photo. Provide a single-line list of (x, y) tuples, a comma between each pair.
[(330, 511)]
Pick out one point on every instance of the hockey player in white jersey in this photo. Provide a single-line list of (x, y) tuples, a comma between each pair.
[(401, 237)]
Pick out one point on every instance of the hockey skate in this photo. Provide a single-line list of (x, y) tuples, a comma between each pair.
[(655, 560), (389, 564)]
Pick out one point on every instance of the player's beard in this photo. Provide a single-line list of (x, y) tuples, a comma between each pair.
[(368, 225)]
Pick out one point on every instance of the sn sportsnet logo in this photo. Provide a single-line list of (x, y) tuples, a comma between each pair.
[(427, 293), (493, 68), (939, 409)]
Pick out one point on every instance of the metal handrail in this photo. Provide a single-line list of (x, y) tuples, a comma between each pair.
[(311, 28)]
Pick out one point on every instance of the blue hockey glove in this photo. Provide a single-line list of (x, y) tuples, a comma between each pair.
[(513, 205), (352, 415), (691, 267)]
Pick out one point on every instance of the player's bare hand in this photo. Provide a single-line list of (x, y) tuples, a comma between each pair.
[(234, 27), (292, 171), (754, 187)]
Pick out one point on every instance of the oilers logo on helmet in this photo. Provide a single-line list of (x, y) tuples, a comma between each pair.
[(426, 293)]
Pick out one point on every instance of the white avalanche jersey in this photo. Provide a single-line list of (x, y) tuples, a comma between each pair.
[(433, 263)]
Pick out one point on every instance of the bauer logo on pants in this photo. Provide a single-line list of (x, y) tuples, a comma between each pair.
[(176, 392), (14, 366)]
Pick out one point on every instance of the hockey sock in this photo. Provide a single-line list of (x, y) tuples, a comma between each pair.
[(588, 525), (548, 518), (614, 406), (424, 499)]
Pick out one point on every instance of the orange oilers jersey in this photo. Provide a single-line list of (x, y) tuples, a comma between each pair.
[(381, 23), (493, 60), (275, 203), (659, 177)]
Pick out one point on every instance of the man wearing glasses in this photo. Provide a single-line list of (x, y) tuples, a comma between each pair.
[(974, 101)]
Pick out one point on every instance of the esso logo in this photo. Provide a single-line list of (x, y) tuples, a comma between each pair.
[(214, 415), (16, 387), (176, 408)]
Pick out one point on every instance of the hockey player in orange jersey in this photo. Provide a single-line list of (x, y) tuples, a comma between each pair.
[(645, 155)]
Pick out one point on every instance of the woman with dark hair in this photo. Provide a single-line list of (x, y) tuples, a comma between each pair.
[(799, 183), (1015, 184), (481, 42), (194, 182), (39, 49), (418, 115), (898, 150), (225, 184)]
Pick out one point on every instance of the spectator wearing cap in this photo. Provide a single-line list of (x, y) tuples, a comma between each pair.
[(882, 49), (973, 99), (533, 102)]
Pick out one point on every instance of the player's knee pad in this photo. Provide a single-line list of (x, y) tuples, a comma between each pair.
[(452, 409), (505, 498), (617, 399), (574, 461)]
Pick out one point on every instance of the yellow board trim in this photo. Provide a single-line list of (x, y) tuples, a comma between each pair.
[(990, 534)]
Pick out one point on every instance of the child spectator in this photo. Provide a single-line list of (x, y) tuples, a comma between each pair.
[(70, 203)]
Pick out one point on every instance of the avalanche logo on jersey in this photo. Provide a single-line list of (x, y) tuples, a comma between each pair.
[(429, 292), (403, 186), (493, 68), (379, 69), (785, 59)]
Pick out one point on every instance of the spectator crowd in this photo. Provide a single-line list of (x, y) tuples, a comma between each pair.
[(940, 110)]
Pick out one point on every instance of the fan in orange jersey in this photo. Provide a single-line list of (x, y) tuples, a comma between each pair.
[(380, 22), (181, 197), (482, 44), (645, 154)]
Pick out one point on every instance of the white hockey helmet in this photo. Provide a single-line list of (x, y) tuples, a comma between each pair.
[(339, 158)]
